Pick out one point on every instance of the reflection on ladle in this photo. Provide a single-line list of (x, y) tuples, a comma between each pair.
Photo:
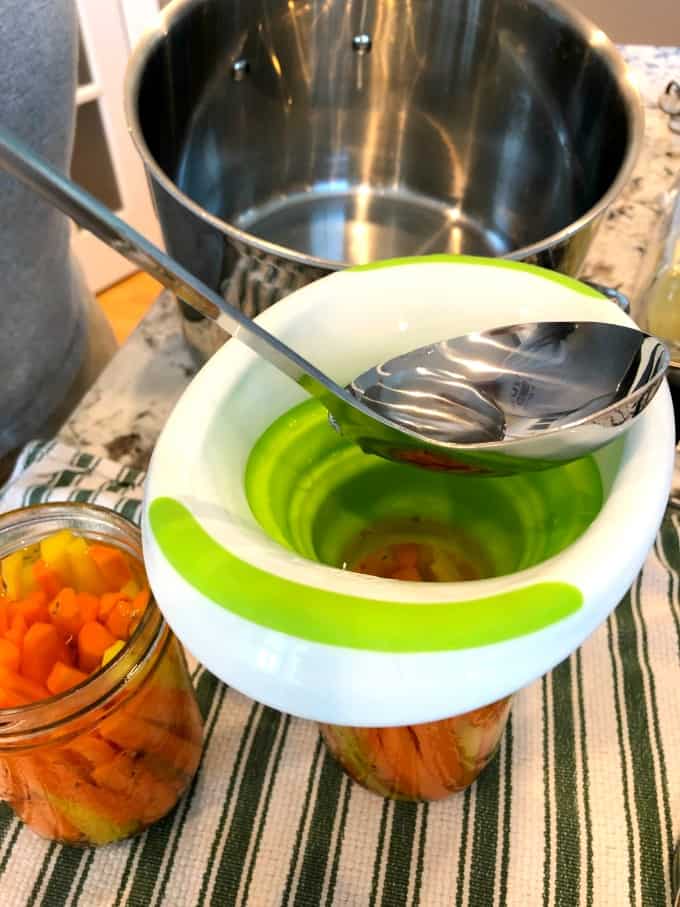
[(513, 382)]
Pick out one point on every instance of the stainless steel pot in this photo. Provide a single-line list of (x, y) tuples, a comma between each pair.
[(284, 139)]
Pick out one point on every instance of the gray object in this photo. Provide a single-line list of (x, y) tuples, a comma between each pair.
[(43, 315), (499, 401), (283, 141)]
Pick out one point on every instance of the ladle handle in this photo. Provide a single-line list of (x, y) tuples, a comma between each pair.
[(19, 160)]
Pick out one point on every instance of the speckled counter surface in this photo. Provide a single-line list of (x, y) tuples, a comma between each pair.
[(124, 412)]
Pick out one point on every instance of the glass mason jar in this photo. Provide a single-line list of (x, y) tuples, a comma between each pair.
[(656, 301), (420, 761), (106, 759)]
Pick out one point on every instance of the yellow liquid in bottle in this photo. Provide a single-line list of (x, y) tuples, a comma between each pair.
[(663, 310)]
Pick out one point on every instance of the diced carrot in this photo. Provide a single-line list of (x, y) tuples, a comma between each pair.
[(84, 571), (113, 565), (48, 580), (93, 640), (407, 554), (64, 611), (17, 630), (41, 649), (10, 655), (32, 607), (120, 616), (88, 605), (411, 573), (17, 683), (107, 602), (62, 677)]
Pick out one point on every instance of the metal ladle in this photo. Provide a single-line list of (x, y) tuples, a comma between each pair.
[(497, 402)]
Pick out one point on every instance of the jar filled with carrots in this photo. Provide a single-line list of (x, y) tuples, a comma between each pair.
[(433, 760), (100, 731)]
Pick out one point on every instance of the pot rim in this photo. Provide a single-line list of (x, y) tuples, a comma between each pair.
[(589, 32)]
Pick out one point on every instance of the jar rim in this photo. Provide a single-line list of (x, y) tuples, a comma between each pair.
[(19, 725)]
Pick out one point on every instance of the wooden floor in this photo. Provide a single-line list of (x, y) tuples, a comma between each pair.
[(126, 303)]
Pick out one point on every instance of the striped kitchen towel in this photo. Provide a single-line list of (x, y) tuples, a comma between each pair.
[(580, 807)]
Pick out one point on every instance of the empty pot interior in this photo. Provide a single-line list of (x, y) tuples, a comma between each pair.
[(356, 130)]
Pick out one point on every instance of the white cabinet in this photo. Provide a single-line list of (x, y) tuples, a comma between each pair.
[(104, 158)]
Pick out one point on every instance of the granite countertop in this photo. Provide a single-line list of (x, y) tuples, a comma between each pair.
[(124, 412)]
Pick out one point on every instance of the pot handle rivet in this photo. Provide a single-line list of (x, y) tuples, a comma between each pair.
[(240, 69), (361, 44)]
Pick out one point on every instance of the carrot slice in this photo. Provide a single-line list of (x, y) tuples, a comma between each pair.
[(141, 600), (17, 630), (377, 563), (48, 821), (107, 603), (132, 780), (16, 683), (119, 619), (10, 655), (112, 564), (64, 611), (93, 640), (67, 652), (62, 677), (65, 785), (11, 700), (48, 579), (131, 733), (41, 649), (407, 553), (92, 748), (88, 605), (398, 762), (33, 607), (4, 614)]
